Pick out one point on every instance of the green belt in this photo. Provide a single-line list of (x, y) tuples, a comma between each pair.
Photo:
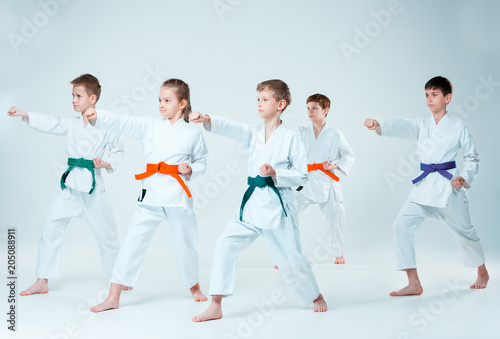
[(261, 182), (83, 163)]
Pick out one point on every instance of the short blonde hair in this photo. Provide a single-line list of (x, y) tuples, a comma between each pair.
[(279, 88)]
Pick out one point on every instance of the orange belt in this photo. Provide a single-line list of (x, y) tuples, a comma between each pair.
[(163, 168), (315, 167)]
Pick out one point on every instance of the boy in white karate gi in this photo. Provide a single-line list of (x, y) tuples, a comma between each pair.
[(276, 163), (438, 192), (81, 192), (175, 152), (327, 150)]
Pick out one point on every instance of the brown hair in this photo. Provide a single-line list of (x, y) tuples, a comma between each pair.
[(279, 88), (182, 91), (320, 99), (90, 83)]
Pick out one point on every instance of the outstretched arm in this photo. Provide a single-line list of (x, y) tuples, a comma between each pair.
[(135, 127), (42, 122), (395, 127), (224, 126)]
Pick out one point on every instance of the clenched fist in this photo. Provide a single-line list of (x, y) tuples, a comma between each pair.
[(267, 170), (184, 168)]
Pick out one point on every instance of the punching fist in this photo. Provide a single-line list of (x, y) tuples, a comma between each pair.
[(16, 112), (197, 118), (371, 124)]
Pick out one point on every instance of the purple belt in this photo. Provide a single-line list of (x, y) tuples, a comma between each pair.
[(441, 168)]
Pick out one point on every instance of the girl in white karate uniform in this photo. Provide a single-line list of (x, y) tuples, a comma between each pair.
[(438, 192), (327, 150), (81, 192), (276, 163), (175, 152)]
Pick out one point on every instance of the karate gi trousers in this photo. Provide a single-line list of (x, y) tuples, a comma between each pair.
[(333, 213), (455, 215), (95, 210), (183, 231), (284, 245)]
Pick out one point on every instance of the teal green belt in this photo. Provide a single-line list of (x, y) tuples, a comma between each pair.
[(261, 182), (83, 163)]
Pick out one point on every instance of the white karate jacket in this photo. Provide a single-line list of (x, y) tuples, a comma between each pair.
[(87, 143), (284, 152), (162, 142), (436, 144), (330, 146)]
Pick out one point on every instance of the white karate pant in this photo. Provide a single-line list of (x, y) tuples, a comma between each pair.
[(95, 210), (333, 213), (183, 231), (456, 216), (284, 244)]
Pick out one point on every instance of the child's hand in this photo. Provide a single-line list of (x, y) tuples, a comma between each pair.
[(327, 165), (458, 182), (371, 124), (16, 112), (90, 113), (267, 170), (99, 163), (184, 168), (197, 118)]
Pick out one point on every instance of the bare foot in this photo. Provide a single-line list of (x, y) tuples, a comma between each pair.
[(197, 293), (127, 288), (210, 313), (213, 312), (110, 303), (340, 260), (276, 267), (319, 304), (412, 289), (482, 278), (41, 286)]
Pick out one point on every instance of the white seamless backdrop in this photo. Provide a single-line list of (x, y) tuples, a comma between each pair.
[(371, 58)]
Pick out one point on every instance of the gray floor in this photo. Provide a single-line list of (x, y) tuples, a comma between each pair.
[(357, 296)]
